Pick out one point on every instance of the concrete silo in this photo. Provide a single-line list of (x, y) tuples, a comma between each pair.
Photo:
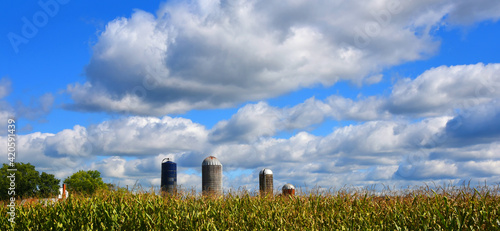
[(168, 176), (266, 182), (288, 189), (211, 176)]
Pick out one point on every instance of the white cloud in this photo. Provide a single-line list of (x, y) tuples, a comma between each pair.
[(370, 108), (209, 54), (111, 167), (136, 136), (141, 137), (248, 124), (478, 124), (467, 12), (428, 170), (69, 142), (482, 168), (475, 152), (31, 149), (436, 92), (442, 89), (368, 153), (147, 136), (386, 146), (254, 121)]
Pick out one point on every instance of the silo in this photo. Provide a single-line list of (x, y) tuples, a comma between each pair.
[(288, 189), (211, 176), (168, 176), (266, 182)]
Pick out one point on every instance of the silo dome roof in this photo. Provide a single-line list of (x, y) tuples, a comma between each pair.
[(167, 160), (266, 171), (211, 160), (288, 186)]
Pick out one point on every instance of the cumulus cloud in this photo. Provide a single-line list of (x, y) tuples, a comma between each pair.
[(436, 92), (482, 168), (137, 136), (248, 124), (466, 12), (212, 54), (31, 149), (147, 140), (372, 152), (479, 124), (254, 121), (428, 170), (386, 146), (444, 88), (474, 152), (111, 167), (69, 142), (140, 137)]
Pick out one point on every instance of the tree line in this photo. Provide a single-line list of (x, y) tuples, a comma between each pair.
[(30, 183)]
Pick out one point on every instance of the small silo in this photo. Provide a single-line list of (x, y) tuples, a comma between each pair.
[(266, 182), (168, 176), (288, 190), (211, 176)]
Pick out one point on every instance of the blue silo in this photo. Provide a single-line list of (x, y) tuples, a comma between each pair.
[(168, 176)]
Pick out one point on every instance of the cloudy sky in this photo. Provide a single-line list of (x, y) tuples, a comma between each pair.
[(324, 93)]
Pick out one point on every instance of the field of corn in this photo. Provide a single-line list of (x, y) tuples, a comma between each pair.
[(464, 208)]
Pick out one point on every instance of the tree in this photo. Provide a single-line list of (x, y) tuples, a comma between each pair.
[(26, 179), (85, 182), (48, 185), (28, 182)]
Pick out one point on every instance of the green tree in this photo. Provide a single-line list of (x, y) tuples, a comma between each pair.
[(49, 185), (85, 182), (26, 179), (28, 182)]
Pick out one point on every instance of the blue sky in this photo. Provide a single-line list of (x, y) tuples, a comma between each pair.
[(384, 92)]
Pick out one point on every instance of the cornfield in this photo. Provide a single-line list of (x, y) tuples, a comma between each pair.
[(465, 208)]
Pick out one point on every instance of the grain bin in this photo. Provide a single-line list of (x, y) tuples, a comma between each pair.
[(266, 182), (288, 189), (168, 176), (211, 176)]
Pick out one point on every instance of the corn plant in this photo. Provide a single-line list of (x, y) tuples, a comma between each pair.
[(463, 208)]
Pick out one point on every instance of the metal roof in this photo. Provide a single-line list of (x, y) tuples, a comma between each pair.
[(168, 159), (288, 186), (211, 160), (266, 171)]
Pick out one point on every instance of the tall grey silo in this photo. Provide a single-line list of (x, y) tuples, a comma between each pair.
[(211, 176), (266, 182), (168, 176)]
